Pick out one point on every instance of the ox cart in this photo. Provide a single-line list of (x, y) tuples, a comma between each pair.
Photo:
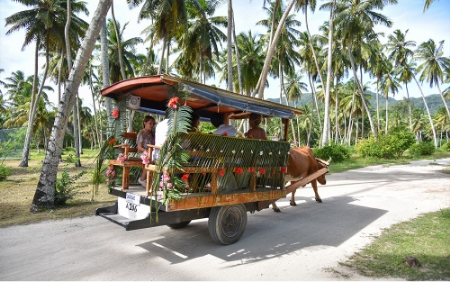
[(225, 177)]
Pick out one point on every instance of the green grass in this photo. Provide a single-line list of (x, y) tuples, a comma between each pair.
[(426, 238), (358, 162), (17, 191)]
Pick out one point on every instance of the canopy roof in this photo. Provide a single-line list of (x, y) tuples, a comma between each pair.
[(155, 92)]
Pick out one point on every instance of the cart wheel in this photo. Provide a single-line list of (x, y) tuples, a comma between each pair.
[(226, 224), (179, 225)]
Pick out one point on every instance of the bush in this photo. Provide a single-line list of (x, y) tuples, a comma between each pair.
[(337, 153), (389, 146), (64, 187), (4, 172), (422, 149), (446, 147)]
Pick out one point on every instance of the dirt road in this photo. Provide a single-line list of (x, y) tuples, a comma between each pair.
[(300, 243)]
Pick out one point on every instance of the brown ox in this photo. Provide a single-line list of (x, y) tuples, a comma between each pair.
[(302, 163)]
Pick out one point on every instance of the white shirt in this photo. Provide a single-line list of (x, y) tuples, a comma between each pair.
[(231, 131), (161, 133)]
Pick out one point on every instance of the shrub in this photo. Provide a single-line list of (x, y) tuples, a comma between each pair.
[(64, 187), (446, 146), (422, 149), (389, 146), (4, 172), (337, 153)]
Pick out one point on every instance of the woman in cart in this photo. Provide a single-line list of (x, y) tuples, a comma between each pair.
[(145, 136)]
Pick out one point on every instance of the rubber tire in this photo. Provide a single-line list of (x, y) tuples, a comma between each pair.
[(179, 225), (226, 224)]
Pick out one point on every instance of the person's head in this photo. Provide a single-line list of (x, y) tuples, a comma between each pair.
[(195, 120), (255, 119), (148, 122), (217, 120)]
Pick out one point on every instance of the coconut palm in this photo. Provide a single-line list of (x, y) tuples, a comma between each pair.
[(202, 40), (389, 83), (44, 23), (45, 190), (434, 65), (356, 20)]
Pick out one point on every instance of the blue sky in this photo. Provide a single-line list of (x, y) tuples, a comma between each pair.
[(407, 14)]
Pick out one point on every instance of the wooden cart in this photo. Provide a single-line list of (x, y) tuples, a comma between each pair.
[(246, 176)]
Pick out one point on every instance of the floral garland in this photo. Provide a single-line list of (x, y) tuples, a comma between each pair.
[(110, 176)]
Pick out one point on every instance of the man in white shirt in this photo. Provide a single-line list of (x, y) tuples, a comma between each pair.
[(161, 133), (222, 129)]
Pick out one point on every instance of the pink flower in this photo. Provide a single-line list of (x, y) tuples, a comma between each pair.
[(115, 113), (173, 102), (161, 184), (169, 185), (166, 177), (145, 159)]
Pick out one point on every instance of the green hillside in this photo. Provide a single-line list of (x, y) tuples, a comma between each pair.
[(434, 101)]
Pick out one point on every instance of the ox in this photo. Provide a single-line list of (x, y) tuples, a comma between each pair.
[(302, 163)]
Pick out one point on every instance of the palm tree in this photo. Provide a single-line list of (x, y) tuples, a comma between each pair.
[(270, 51), (434, 65), (45, 190), (391, 84), (400, 51), (427, 4), (406, 76), (203, 37), (44, 24), (356, 20)]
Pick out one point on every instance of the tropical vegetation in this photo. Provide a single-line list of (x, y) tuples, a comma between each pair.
[(341, 111)]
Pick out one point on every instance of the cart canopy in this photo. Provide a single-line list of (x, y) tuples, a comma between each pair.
[(151, 94)]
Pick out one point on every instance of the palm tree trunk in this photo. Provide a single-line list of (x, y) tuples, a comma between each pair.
[(378, 105), (443, 99), (34, 104), (119, 47), (238, 60), (45, 190), (409, 108), (316, 103), (336, 111), (105, 74), (361, 91), (61, 62), (428, 112), (97, 132), (326, 122), (229, 47), (271, 50), (387, 115), (162, 56)]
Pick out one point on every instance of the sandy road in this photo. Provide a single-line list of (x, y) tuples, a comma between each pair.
[(300, 243)]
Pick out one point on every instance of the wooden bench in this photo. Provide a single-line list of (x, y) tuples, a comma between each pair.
[(127, 148)]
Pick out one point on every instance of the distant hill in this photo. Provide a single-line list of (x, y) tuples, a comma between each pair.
[(434, 101)]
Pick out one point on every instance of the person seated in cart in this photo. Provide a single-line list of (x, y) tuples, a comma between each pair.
[(222, 129), (255, 131), (145, 137)]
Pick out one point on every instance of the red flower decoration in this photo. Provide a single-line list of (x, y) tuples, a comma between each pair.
[(203, 173), (185, 177), (283, 169), (225, 134), (115, 113), (250, 136), (262, 171), (252, 169), (173, 102), (239, 170), (112, 142), (273, 171), (222, 172)]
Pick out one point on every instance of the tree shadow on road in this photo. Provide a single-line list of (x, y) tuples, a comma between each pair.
[(307, 227)]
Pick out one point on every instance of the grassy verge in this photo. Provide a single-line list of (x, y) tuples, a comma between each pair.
[(358, 162), (426, 238), (17, 191)]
